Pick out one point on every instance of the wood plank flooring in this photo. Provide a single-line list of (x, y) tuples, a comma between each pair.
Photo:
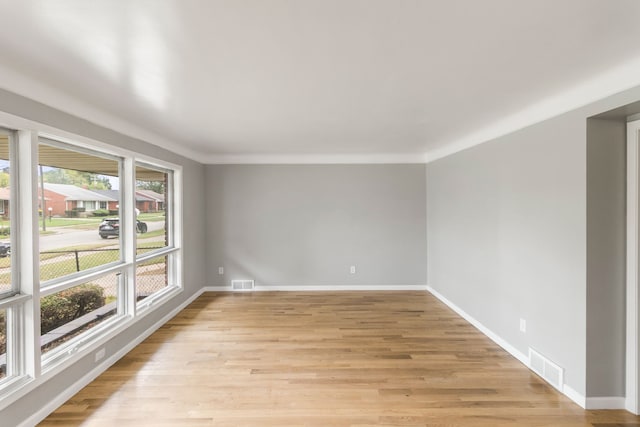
[(322, 359)]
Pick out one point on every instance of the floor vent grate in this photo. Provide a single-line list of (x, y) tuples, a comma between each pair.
[(548, 370), (242, 285)]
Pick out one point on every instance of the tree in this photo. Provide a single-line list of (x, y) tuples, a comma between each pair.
[(86, 180), (157, 186), (4, 180)]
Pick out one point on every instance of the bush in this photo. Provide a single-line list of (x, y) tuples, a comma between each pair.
[(101, 212), (84, 299), (55, 311), (3, 337), (5, 231), (63, 307)]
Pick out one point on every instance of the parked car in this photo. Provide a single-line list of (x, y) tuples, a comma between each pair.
[(111, 227), (5, 249)]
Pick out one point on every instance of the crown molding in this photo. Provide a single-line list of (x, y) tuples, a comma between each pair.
[(624, 77), (616, 80), (302, 159)]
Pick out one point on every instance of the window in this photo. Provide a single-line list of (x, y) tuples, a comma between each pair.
[(97, 234), (155, 246), (152, 276), (8, 289), (71, 179), (5, 219), (152, 192), (3, 344), (77, 310)]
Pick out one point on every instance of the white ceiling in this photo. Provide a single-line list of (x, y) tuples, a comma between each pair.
[(322, 80)]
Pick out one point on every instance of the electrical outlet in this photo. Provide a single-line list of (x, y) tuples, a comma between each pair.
[(220, 270), (523, 325), (100, 354), (352, 270)]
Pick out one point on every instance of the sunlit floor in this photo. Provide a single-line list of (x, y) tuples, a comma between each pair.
[(322, 359)]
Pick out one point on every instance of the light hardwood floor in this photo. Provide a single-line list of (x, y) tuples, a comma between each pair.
[(322, 359)]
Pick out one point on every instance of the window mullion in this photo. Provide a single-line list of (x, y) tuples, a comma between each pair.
[(128, 234), (26, 193)]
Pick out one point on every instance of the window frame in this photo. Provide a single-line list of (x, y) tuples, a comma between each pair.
[(29, 368), (13, 211), (173, 250), (71, 280)]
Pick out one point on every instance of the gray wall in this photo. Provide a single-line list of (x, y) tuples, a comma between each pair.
[(194, 243), (506, 235), (606, 252), (513, 225), (286, 225)]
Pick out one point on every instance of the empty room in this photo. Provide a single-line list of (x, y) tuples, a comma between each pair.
[(319, 213)]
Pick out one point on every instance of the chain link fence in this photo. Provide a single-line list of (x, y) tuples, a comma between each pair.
[(151, 275)]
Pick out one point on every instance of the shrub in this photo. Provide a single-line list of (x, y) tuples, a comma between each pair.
[(55, 311), (63, 307), (5, 231), (84, 299), (101, 212), (3, 337)]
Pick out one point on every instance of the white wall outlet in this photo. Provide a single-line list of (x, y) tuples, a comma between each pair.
[(100, 354), (220, 270), (523, 325), (352, 269)]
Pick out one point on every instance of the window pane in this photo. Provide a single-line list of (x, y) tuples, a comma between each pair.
[(76, 232), (151, 208), (3, 343), (74, 311), (151, 276), (5, 218)]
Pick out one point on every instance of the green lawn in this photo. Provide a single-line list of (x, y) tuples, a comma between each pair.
[(68, 264), (151, 217), (151, 234), (65, 222), (89, 223)]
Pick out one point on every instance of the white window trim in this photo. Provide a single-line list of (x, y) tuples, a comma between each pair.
[(25, 260), (632, 368)]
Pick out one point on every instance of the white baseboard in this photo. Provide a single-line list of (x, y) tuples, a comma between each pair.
[(67, 394), (43, 412), (320, 288), (578, 398), (494, 337), (614, 402), (524, 359)]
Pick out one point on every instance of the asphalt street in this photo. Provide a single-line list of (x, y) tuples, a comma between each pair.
[(65, 237)]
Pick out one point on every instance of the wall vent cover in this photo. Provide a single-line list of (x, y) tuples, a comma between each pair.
[(548, 370), (242, 285)]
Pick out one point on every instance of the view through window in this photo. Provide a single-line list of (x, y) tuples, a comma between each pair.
[(3, 343), (6, 285), (91, 267), (73, 236), (76, 310), (154, 217), (5, 217), (78, 207)]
